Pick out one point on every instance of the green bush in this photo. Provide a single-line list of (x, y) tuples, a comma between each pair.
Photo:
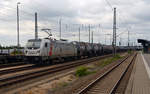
[(82, 71)]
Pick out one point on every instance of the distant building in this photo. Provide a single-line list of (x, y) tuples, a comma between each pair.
[(146, 45)]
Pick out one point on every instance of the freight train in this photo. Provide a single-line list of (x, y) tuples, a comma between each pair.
[(47, 49), (9, 56)]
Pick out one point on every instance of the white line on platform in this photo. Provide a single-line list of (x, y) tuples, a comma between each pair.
[(146, 66)]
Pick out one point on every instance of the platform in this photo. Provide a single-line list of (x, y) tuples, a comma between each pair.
[(139, 82)]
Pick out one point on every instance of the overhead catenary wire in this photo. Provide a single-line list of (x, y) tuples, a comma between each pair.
[(120, 18), (72, 27), (109, 4)]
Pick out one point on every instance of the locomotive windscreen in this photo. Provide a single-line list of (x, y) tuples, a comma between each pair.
[(33, 44)]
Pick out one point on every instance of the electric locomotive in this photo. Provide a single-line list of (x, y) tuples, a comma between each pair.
[(47, 49)]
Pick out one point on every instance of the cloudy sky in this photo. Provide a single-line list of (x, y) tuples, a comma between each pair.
[(132, 15)]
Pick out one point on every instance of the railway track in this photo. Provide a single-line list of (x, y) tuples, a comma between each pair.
[(11, 64), (20, 67), (5, 82), (16, 68), (108, 82)]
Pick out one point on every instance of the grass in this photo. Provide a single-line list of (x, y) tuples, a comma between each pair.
[(59, 85), (110, 60), (129, 51), (16, 53), (63, 84), (83, 71)]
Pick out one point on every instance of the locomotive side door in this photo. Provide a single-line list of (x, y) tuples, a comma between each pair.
[(46, 50)]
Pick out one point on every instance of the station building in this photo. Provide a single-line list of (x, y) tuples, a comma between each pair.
[(146, 45)]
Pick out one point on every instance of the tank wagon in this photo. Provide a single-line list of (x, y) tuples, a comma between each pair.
[(81, 49), (48, 49)]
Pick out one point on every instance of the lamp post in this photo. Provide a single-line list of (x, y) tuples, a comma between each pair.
[(60, 29), (79, 34), (114, 32), (18, 45)]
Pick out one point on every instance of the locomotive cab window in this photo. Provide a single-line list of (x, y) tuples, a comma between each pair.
[(33, 44)]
